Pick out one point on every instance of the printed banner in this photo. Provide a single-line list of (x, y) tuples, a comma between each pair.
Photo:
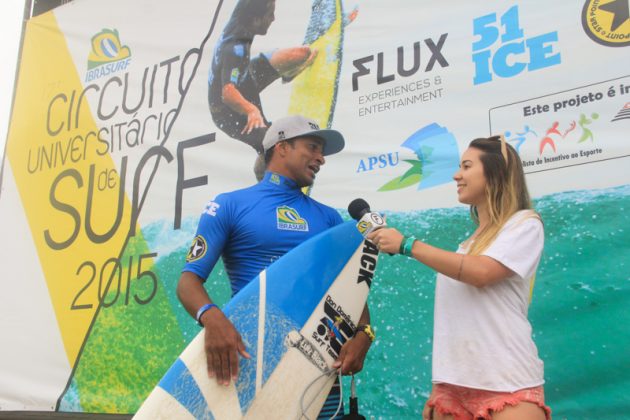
[(130, 116)]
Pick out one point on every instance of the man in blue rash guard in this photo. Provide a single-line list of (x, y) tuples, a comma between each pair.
[(251, 228), (235, 80)]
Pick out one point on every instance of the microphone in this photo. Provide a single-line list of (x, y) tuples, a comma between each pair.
[(368, 221)]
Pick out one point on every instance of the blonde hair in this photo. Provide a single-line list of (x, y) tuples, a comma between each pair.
[(506, 190)]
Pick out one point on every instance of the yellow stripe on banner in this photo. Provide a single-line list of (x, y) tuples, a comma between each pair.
[(313, 92), (53, 152)]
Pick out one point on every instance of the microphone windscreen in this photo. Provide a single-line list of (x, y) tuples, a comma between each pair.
[(357, 208)]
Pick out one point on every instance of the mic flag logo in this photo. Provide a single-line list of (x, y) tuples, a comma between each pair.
[(290, 219), (364, 226), (369, 223), (607, 22)]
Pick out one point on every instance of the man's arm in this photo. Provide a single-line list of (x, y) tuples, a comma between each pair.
[(222, 342), (353, 352), (237, 102), (191, 292)]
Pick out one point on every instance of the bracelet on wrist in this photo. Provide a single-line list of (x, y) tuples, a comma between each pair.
[(367, 330), (205, 308), (407, 245), (401, 250)]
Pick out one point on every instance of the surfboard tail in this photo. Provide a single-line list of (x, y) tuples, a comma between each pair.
[(291, 390), (186, 391), (160, 405)]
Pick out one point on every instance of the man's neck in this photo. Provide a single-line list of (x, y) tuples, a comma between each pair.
[(278, 169)]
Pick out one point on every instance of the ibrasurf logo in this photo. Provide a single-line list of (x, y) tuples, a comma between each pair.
[(290, 219), (607, 22), (107, 56), (437, 159)]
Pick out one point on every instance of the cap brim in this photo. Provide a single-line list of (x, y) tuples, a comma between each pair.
[(333, 138)]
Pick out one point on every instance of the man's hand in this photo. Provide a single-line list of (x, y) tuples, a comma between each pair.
[(222, 344), (233, 98), (254, 120), (353, 354)]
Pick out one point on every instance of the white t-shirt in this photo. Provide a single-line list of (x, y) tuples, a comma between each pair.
[(481, 337)]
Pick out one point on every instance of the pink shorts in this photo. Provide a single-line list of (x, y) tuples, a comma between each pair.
[(468, 403)]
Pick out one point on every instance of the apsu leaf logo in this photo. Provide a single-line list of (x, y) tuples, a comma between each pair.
[(437, 159), (607, 22)]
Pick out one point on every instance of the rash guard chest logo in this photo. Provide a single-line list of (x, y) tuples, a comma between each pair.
[(289, 219)]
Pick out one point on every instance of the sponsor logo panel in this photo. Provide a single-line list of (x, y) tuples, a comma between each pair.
[(566, 128)]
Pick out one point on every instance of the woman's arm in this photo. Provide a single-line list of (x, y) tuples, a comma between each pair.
[(476, 270)]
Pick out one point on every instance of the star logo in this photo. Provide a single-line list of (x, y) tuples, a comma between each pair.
[(620, 10), (607, 22), (197, 249)]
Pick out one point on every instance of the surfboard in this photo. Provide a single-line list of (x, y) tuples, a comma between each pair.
[(293, 318), (314, 90)]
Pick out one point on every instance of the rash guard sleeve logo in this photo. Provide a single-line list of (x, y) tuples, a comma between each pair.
[(211, 208), (197, 249)]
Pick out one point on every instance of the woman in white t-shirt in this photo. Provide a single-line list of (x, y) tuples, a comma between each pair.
[(485, 363)]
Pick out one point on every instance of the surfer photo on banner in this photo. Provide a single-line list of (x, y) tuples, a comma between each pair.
[(235, 80), (253, 227), (485, 362)]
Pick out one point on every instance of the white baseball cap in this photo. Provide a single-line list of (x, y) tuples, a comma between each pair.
[(299, 126)]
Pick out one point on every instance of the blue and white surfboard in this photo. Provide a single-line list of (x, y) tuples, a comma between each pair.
[(293, 317)]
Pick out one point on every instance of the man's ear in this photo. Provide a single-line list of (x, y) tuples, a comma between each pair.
[(281, 148)]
